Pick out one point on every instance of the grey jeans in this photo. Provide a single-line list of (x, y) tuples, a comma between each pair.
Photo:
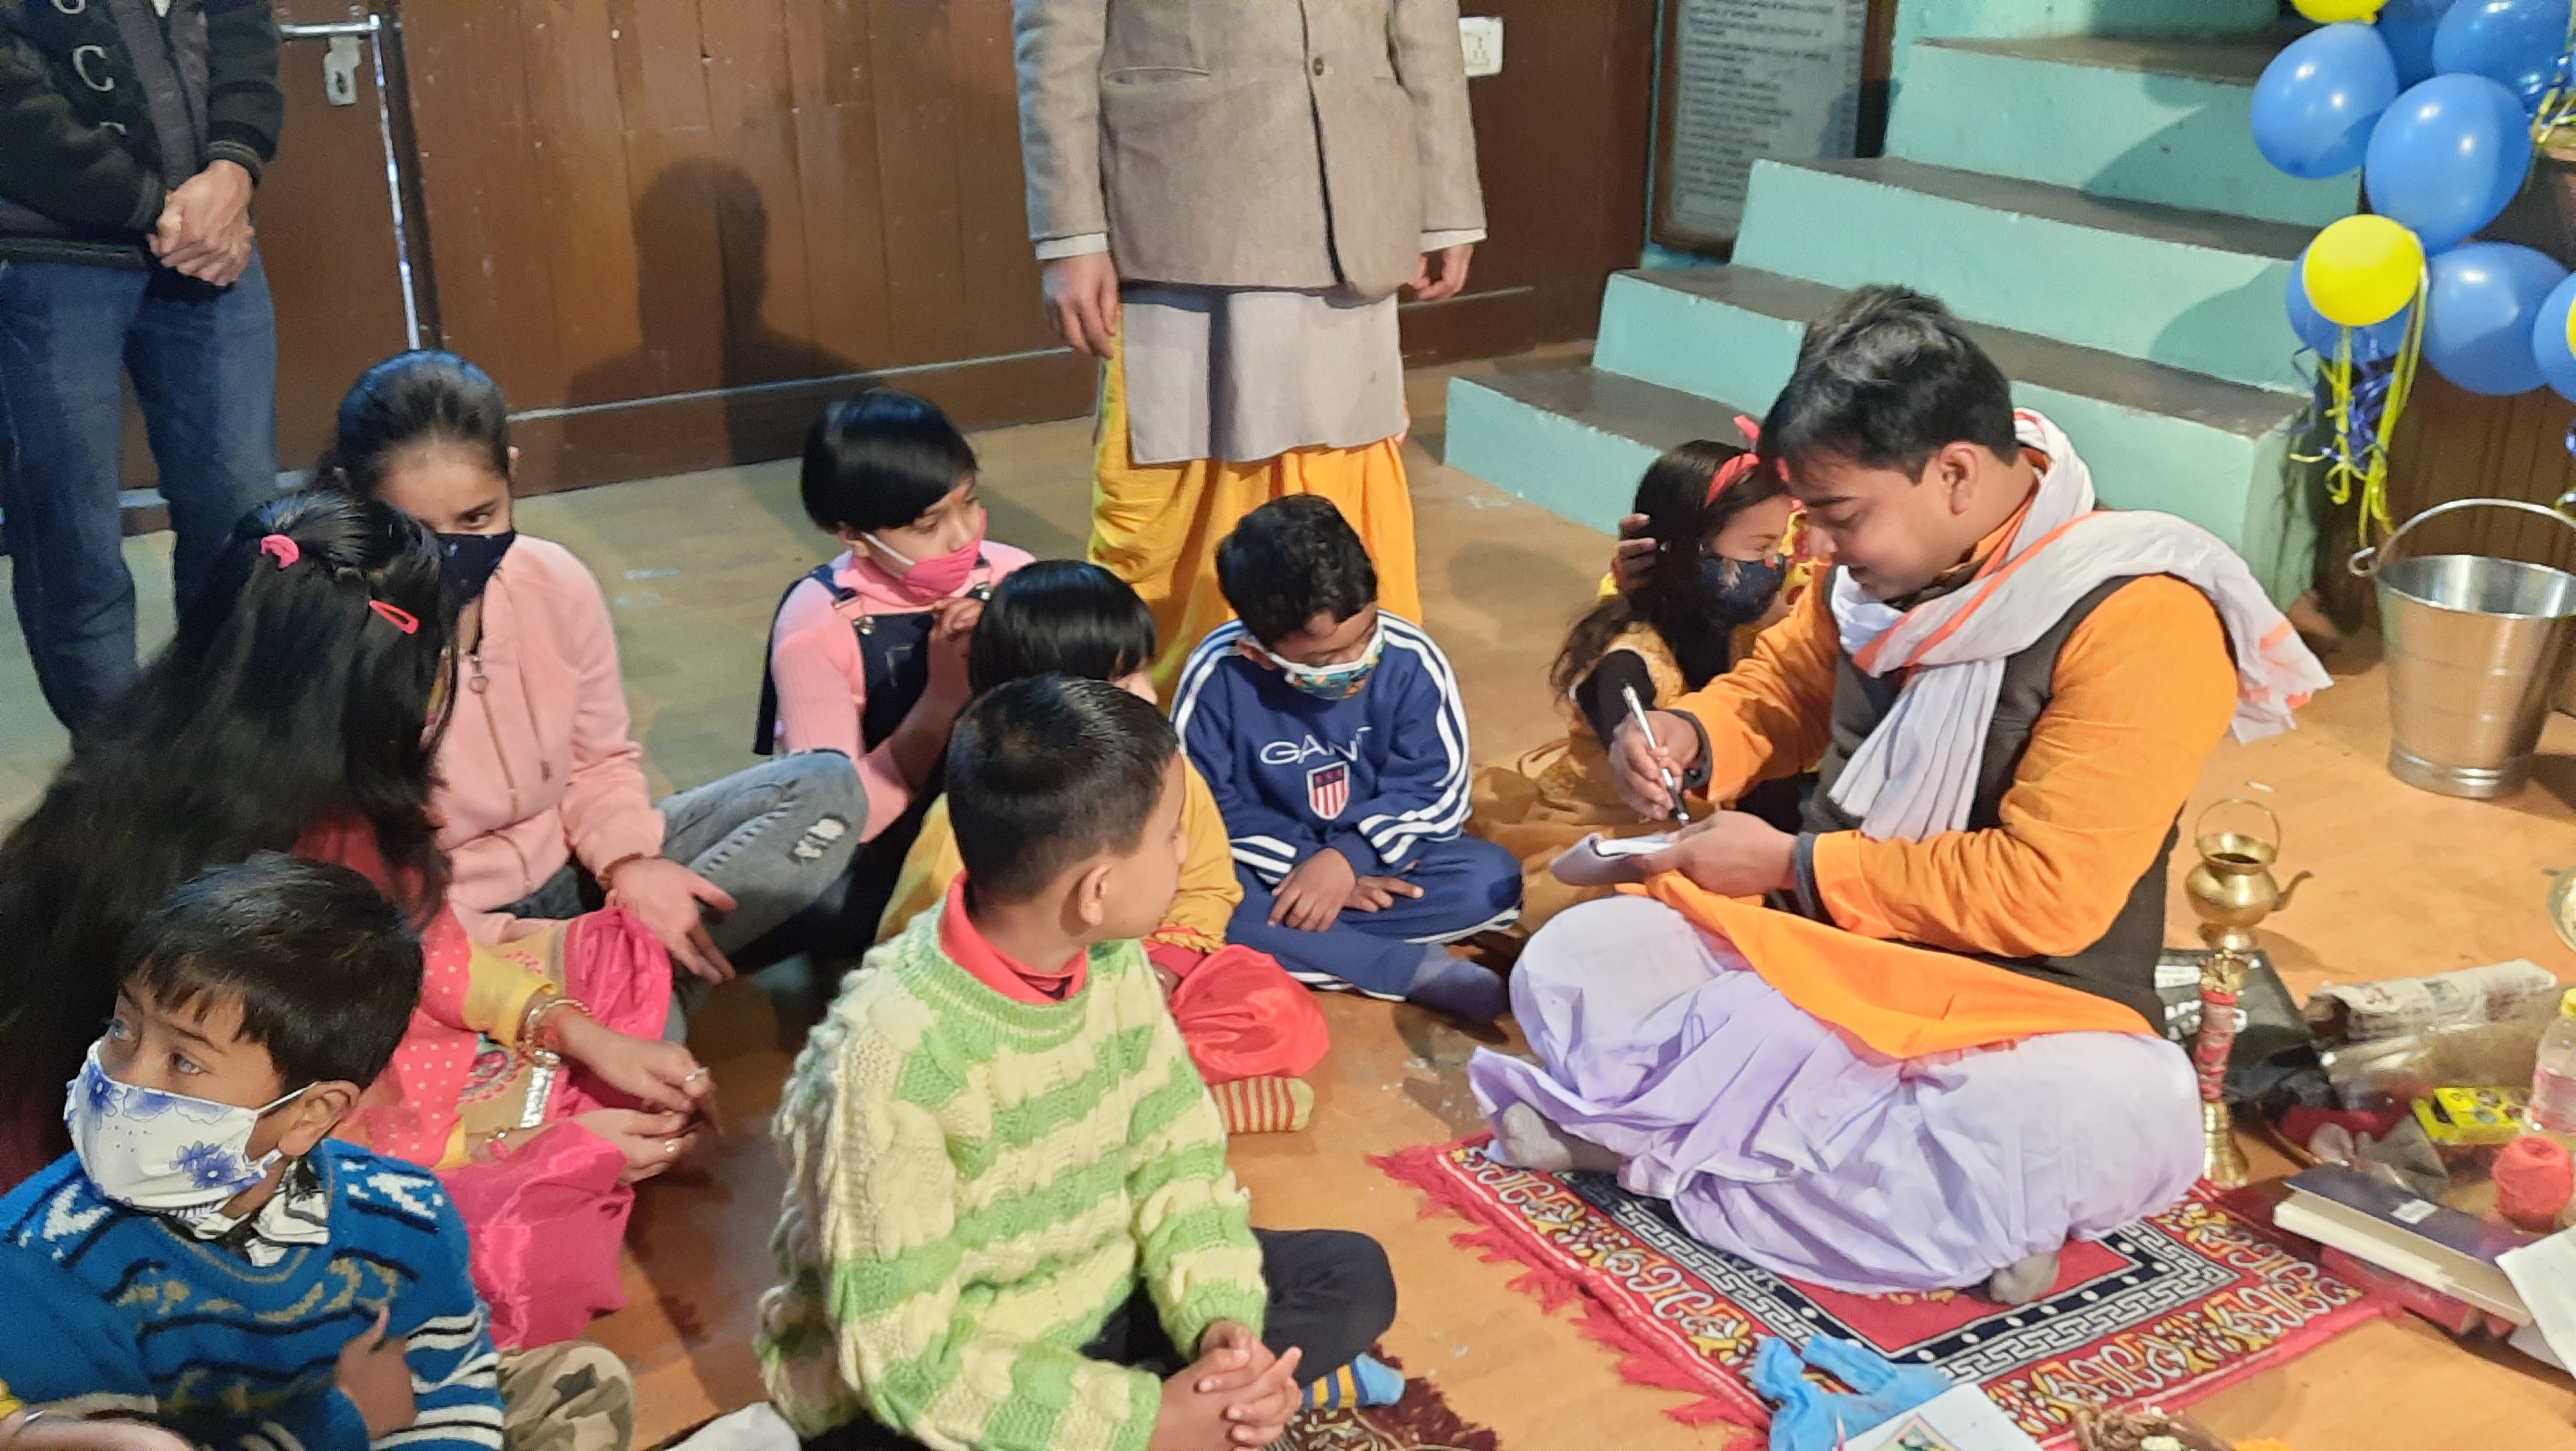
[(777, 837)]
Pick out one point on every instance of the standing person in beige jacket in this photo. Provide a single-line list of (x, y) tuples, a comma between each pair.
[(1227, 195)]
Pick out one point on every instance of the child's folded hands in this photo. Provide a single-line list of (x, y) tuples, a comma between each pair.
[(1238, 1394), (1259, 1389)]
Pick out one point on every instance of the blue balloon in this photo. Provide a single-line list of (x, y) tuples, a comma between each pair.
[(2317, 100), (2370, 344), (2448, 156), (2549, 340), (2478, 315), (2514, 42), (2408, 26)]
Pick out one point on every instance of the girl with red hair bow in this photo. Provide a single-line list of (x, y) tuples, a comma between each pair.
[(1712, 560)]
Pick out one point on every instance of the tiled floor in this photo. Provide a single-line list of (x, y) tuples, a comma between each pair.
[(2406, 883)]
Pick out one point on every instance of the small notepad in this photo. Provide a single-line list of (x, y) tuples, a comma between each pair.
[(1597, 861)]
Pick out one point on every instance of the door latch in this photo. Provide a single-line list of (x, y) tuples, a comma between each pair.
[(340, 71)]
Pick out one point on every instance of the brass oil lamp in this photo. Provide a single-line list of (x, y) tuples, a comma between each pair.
[(2231, 890)]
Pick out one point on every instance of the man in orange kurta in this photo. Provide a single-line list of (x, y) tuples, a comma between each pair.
[(1936, 1054)]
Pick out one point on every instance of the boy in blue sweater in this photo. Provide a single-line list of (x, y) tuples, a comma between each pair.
[(1333, 737), (282, 1291)]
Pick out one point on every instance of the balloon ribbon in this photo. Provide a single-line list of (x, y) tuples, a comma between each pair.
[(2557, 106), (2364, 399)]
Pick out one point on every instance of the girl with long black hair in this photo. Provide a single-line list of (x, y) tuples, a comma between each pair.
[(1717, 520), (299, 708), (289, 696)]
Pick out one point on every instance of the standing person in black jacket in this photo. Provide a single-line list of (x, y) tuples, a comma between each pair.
[(132, 133)]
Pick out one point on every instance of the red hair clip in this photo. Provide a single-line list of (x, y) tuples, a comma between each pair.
[(396, 616), (280, 548), (1738, 466)]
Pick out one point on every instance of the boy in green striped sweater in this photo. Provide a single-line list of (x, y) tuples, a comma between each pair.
[(1009, 1225)]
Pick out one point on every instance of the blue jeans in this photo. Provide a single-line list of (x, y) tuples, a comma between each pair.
[(204, 364), (777, 837)]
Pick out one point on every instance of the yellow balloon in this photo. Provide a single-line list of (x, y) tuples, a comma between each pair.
[(2329, 12), (2362, 270)]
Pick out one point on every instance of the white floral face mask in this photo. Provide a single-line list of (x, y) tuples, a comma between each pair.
[(165, 1152), (1324, 682)]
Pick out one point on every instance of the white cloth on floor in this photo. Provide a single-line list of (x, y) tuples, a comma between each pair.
[(753, 1428)]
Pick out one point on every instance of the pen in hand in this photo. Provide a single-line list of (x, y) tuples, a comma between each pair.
[(1672, 788)]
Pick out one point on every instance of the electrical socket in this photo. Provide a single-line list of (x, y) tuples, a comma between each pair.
[(1481, 36)]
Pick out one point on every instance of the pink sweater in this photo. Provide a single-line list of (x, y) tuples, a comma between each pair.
[(537, 768), (823, 680)]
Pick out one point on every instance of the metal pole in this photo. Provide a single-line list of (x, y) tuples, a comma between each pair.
[(372, 27)]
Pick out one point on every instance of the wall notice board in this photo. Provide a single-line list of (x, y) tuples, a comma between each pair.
[(1744, 79)]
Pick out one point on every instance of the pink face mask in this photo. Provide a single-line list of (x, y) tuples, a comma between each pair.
[(940, 576)]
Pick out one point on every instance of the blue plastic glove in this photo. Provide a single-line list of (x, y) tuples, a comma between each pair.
[(1803, 1422)]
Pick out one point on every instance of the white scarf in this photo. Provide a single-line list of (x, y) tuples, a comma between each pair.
[(1916, 775)]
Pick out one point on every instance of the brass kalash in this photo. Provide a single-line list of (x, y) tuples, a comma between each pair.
[(2231, 890)]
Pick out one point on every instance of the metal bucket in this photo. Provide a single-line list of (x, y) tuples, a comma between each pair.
[(2475, 647)]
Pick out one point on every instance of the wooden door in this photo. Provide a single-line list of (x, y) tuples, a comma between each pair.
[(1561, 142), (673, 228), (327, 224)]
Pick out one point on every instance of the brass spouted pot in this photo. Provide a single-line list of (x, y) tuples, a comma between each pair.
[(2232, 888)]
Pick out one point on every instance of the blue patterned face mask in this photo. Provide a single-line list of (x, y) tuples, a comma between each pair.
[(1326, 682), (1738, 591), (150, 1149)]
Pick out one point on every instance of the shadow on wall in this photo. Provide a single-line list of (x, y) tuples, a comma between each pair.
[(704, 384)]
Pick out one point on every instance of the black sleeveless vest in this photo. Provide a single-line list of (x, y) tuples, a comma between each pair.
[(895, 651), (2121, 965)]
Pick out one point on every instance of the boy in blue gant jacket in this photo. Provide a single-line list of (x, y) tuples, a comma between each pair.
[(1334, 740)]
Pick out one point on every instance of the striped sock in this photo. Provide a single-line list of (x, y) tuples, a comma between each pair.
[(1271, 1104), (1366, 1381)]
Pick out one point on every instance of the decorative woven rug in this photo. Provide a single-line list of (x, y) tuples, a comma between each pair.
[(1422, 1421), (2165, 1311)]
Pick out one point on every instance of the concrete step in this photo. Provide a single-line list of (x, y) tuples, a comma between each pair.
[(2195, 290), (2153, 119), (1920, 20), (1675, 341), (1574, 439)]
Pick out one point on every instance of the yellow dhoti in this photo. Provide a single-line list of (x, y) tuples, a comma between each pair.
[(1157, 526)]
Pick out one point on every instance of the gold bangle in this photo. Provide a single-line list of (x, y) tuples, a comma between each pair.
[(545, 994), (532, 1040)]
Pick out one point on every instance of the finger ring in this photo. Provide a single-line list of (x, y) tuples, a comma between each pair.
[(694, 1077), (671, 1147)]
